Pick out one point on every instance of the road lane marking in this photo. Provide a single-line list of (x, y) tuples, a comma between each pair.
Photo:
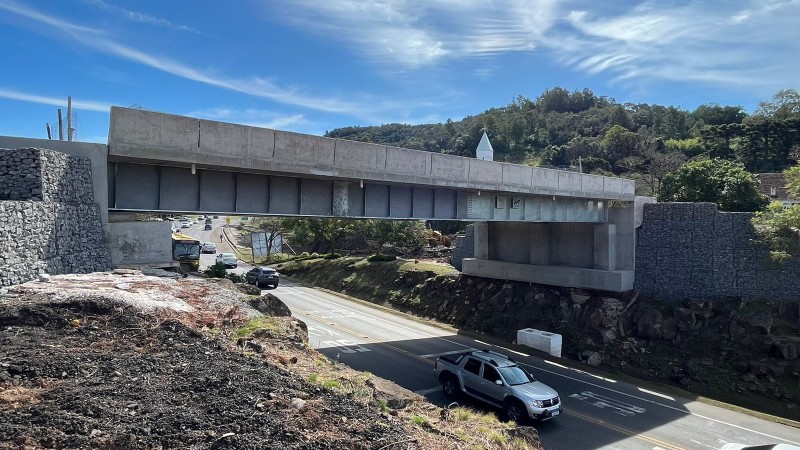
[(625, 431), (603, 402), (683, 411), (428, 391), (374, 341), (345, 346), (381, 319)]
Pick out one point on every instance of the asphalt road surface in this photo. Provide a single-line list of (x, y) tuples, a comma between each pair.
[(599, 412)]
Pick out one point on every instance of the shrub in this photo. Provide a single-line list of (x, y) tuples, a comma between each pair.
[(303, 255), (315, 255), (381, 258), (236, 278), (332, 256), (218, 270)]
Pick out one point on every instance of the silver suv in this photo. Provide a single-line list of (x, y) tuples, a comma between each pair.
[(498, 380)]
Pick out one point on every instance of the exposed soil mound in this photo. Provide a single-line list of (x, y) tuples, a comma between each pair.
[(126, 361)]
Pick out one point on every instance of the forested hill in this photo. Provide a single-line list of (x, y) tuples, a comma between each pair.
[(639, 141)]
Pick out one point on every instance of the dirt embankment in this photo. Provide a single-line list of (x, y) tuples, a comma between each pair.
[(129, 361)]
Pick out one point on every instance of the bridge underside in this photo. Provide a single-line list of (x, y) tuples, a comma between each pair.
[(148, 187)]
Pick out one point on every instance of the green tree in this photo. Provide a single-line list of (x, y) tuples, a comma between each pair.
[(713, 180), (784, 104), (273, 227), (792, 175), (619, 143)]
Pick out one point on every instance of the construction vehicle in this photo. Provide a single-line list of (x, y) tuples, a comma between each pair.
[(186, 250)]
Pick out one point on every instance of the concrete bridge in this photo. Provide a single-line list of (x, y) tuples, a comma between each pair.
[(538, 225)]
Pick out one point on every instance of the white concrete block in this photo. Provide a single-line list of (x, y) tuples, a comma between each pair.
[(569, 181), (262, 143), (540, 340)]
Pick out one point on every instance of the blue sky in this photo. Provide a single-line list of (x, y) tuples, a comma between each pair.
[(315, 65)]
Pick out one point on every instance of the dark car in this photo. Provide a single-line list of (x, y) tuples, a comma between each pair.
[(207, 227), (263, 276)]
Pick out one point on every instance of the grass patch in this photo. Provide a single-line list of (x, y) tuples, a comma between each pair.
[(418, 420), (260, 327)]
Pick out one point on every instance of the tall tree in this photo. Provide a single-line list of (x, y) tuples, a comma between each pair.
[(714, 180), (783, 105)]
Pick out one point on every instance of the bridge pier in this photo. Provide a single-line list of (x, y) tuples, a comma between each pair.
[(586, 255)]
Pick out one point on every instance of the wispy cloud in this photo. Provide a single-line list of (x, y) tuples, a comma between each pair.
[(255, 86), (713, 41), (698, 41), (140, 17), (252, 117), (62, 102), (417, 33)]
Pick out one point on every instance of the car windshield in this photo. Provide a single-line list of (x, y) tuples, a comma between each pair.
[(186, 251), (515, 375)]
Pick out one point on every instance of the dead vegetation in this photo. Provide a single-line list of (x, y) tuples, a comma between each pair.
[(85, 368)]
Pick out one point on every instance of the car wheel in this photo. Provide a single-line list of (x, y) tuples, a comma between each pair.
[(515, 411), (450, 386)]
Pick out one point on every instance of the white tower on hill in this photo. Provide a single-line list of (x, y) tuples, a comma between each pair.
[(485, 150)]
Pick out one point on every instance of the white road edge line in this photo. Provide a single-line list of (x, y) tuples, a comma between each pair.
[(380, 319), (662, 405), (428, 391), (566, 376)]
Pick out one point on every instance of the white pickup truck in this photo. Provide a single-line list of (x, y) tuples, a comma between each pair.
[(498, 380)]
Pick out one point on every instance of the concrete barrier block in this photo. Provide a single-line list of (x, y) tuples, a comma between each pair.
[(359, 155), (295, 147), (485, 171), (545, 178), (262, 143), (225, 139), (327, 147), (592, 183), (540, 340), (517, 175), (134, 126), (449, 167), (403, 160), (612, 185), (569, 181)]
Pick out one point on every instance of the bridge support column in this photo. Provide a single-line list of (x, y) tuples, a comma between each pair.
[(605, 246), (481, 240)]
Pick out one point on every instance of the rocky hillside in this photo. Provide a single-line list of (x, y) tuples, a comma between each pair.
[(739, 352), (112, 361)]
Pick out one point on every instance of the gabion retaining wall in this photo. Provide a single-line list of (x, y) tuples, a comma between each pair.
[(48, 219), (691, 250)]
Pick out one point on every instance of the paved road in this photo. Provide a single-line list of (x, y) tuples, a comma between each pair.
[(600, 413)]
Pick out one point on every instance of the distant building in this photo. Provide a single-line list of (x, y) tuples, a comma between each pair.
[(485, 150), (774, 185)]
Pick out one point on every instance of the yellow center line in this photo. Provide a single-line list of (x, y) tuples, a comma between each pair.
[(625, 431)]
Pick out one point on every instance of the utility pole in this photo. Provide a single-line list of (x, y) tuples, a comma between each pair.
[(69, 118), (48, 131), (60, 126)]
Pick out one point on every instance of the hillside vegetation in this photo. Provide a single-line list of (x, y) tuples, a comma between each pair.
[(640, 141)]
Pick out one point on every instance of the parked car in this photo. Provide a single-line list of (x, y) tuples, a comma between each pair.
[(263, 277), (498, 380), (207, 227), (229, 259), (209, 247)]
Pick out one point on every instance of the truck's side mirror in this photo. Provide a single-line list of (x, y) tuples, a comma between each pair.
[(498, 382)]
